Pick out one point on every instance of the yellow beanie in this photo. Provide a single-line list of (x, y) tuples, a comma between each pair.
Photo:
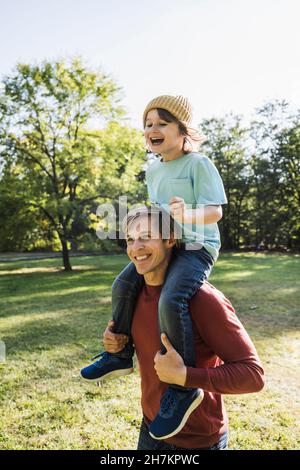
[(178, 106)]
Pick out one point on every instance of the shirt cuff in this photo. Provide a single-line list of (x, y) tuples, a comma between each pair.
[(197, 378)]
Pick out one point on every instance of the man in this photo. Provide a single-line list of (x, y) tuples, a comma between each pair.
[(226, 359)]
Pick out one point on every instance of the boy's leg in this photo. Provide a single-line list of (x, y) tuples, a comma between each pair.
[(125, 290), (186, 273)]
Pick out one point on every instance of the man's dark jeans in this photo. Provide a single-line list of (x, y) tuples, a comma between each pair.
[(186, 272), (146, 442)]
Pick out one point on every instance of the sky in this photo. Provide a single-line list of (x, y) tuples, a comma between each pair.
[(224, 55)]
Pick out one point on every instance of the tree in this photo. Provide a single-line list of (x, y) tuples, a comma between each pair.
[(287, 158), (275, 165), (44, 137), (122, 156), (18, 223), (226, 146)]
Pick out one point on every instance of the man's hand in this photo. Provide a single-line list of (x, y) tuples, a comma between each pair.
[(170, 367), (113, 342), (177, 208)]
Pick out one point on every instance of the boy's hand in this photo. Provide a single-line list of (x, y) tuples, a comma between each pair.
[(113, 342), (177, 208)]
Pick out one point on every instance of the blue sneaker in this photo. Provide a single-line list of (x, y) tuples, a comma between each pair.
[(175, 409), (108, 366)]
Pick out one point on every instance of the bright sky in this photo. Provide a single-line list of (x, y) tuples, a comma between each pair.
[(225, 55)]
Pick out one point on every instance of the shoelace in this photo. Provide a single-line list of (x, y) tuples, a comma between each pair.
[(168, 402), (101, 355)]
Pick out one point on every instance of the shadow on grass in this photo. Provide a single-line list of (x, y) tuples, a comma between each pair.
[(39, 288), (76, 305), (38, 284), (75, 328), (83, 326)]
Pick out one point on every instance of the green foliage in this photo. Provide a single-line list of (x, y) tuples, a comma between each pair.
[(65, 149), (121, 159), (260, 166), (62, 168), (276, 184), (226, 147)]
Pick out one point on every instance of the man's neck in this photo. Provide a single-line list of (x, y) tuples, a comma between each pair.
[(153, 280)]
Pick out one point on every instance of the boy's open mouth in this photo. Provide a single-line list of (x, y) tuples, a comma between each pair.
[(156, 141)]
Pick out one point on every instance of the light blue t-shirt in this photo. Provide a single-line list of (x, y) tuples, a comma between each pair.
[(195, 178)]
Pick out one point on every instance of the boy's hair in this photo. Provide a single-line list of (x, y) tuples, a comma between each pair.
[(168, 227), (193, 137)]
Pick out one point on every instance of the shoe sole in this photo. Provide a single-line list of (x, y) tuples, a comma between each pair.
[(188, 412), (110, 375)]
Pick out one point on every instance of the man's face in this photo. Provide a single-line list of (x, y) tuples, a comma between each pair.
[(145, 247)]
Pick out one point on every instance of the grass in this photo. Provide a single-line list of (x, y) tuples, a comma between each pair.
[(52, 323)]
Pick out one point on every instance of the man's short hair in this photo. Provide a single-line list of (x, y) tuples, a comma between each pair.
[(167, 226)]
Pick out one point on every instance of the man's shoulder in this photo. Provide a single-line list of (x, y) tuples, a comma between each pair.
[(208, 290), (208, 298)]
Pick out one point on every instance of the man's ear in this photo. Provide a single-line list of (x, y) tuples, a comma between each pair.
[(170, 242)]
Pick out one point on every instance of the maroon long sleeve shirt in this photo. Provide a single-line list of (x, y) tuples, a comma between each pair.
[(226, 362)]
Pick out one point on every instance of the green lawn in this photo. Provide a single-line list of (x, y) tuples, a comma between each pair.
[(52, 322)]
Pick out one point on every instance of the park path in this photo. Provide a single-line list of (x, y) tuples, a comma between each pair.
[(5, 257)]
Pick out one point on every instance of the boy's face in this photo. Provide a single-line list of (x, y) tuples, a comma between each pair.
[(145, 247), (161, 136)]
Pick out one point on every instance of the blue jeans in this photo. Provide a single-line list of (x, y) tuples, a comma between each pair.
[(146, 442), (186, 272)]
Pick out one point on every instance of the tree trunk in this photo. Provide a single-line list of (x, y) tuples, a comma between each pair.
[(226, 236), (65, 253), (74, 245)]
